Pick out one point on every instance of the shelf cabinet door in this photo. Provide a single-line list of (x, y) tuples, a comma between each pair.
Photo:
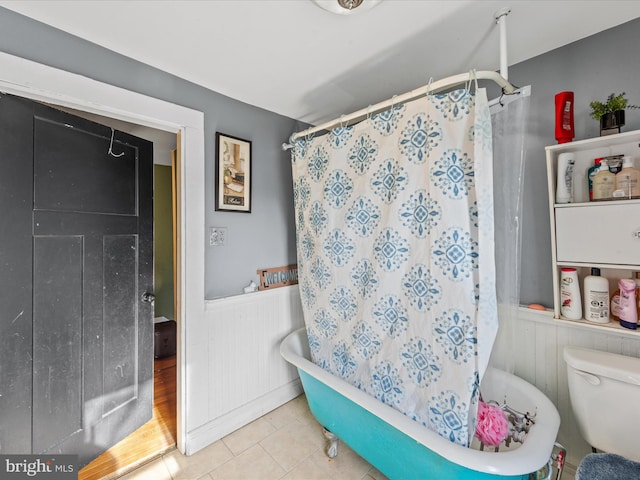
[(599, 233)]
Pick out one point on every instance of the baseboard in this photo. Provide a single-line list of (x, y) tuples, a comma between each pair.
[(220, 427)]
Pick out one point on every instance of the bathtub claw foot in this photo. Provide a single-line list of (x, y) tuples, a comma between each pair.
[(331, 445)]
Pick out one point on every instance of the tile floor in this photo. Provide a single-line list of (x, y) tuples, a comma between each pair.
[(286, 444)]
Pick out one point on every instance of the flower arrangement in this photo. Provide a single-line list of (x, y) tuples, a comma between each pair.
[(492, 427)]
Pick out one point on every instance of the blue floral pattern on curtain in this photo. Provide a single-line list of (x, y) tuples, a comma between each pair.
[(394, 223)]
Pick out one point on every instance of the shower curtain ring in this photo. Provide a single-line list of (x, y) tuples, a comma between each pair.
[(308, 136), (393, 101), (429, 87), (342, 121), (369, 112)]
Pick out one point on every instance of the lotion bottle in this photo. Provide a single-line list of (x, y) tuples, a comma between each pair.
[(570, 303), (638, 292), (564, 117), (596, 297), (615, 305), (592, 172), (628, 179), (564, 187), (628, 304), (604, 183)]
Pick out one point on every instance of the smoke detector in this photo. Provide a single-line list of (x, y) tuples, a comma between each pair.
[(346, 7)]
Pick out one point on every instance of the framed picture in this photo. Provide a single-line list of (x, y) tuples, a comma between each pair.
[(233, 174)]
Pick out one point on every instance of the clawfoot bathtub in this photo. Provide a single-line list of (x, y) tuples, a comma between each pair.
[(403, 449)]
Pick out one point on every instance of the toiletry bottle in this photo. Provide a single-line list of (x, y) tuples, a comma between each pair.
[(571, 305), (564, 117), (614, 162), (592, 173), (637, 279), (564, 188), (596, 297), (603, 183), (628, 304), (628, 179), (614, 310)]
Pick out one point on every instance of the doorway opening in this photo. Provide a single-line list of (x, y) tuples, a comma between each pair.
[(158, 436), (63, 89)]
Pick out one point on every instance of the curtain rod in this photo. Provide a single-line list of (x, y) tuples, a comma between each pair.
[(433, 87)]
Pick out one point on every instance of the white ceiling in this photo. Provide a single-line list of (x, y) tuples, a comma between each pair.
[(293, 58)]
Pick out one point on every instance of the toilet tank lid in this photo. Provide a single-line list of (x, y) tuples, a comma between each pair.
[(611, 365)]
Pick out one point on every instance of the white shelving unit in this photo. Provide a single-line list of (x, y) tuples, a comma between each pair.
[(603, 234)]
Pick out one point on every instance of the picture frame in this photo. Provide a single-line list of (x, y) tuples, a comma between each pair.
[(233, 174)]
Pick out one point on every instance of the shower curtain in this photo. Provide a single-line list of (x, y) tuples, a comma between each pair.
[(509, 120), (394, 225)]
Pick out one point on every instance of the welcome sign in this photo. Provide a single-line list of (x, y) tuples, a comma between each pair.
[(278, 277)]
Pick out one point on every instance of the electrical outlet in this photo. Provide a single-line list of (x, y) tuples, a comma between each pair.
[(217, 236)]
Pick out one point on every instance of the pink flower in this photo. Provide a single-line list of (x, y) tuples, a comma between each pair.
[(491, 426)]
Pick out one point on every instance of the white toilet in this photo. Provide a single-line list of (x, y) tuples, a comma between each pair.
[(604, 389)]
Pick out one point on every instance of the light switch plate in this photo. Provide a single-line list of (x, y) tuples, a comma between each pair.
[(217, 236)]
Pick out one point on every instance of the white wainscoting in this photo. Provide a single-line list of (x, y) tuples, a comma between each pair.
[(245, 376), (537, 356)]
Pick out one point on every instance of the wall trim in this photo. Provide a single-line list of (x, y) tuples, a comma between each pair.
[(235, 419), (243, 298)]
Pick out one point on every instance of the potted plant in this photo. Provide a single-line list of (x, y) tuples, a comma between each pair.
[(610, 113)]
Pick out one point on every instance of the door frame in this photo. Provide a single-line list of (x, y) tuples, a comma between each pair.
[(39, 82)]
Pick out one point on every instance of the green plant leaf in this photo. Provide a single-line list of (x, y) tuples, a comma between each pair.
[(614, 103)]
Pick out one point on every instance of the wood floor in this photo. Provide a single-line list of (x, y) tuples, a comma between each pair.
[(152, 439)]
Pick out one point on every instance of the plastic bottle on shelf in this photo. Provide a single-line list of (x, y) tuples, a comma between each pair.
[(628, 179), (596, 297), (593, 170), (565, 130), (570, 303), (637, 279), (614, 309), (604, 183), (614, 162), (628, 304), (564, 187)]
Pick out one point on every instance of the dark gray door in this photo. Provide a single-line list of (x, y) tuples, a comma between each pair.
[(76, 258)]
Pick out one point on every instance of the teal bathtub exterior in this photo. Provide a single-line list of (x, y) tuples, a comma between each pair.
[(402, 449), (388, 449)]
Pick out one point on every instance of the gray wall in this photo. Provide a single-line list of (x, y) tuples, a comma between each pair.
[(265, 237), (163, 243), (592, 68)]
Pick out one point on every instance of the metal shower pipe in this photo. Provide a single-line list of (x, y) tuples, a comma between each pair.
[(501, 20)]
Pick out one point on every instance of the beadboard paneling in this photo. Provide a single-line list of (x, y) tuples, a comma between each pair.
[(245, 376), (538, 348)]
